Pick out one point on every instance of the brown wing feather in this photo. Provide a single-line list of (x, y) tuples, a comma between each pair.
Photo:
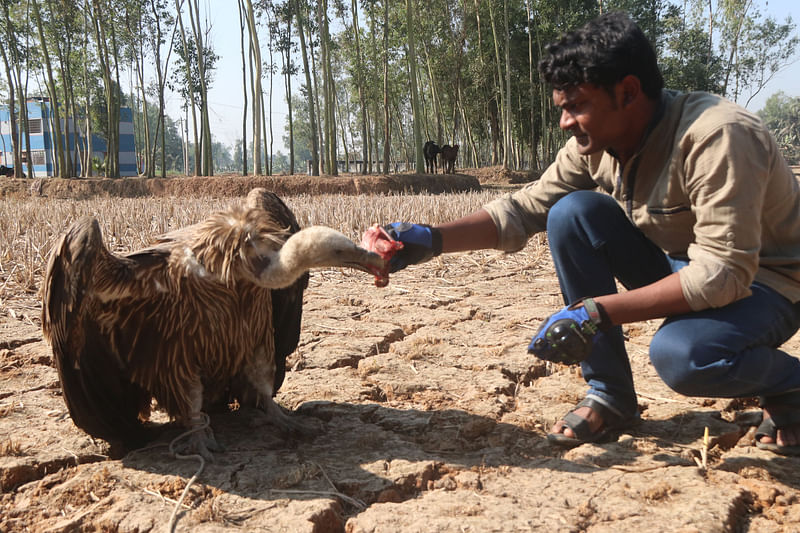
[(95, 380)]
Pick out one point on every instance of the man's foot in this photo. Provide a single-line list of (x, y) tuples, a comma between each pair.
[(593, 422), (779, 431), (589, 421)]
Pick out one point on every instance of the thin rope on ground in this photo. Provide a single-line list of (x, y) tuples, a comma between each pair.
[(206, 423)]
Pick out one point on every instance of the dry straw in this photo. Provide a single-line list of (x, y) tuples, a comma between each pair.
[(29, 227)]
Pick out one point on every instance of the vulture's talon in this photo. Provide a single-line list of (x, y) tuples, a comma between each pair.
[(292, 423), (303, 428), (200, 445)]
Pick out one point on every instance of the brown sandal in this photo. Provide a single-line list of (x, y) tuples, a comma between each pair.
[(612, 422), (769, 426)]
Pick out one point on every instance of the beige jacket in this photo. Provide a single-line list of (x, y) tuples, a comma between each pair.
[(709, 183)]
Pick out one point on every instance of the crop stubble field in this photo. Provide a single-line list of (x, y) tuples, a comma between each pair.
[(433, 415)]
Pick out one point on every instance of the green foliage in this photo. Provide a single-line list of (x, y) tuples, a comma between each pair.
[(688, 62), (302, 134), (280, 162), (98, 166), (781, 114), (173, 141), (185, 78), (223, 161), (722, 46)]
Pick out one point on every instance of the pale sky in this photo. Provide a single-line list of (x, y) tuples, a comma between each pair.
[(225, 96)]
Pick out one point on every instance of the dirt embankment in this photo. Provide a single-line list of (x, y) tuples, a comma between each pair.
[(234, 185), (237, 186)]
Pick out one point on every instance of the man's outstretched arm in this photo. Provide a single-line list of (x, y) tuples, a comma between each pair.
[(475, 231)]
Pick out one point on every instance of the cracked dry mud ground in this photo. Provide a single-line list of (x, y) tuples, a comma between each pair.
[(432, 418)]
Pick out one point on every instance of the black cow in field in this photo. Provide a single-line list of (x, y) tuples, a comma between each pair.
[(449, 155), (6, 171), (430, 150)]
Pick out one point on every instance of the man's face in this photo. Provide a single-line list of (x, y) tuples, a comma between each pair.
[(592, 116)]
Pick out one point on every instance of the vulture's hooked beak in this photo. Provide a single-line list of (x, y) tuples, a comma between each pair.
[(369, 262)]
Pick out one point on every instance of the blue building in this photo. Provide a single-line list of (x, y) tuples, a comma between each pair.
[(40, 121)]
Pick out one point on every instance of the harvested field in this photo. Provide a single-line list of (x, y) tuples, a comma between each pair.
[(433, 414)]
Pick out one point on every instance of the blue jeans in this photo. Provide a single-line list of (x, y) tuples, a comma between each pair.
[(726, 352)]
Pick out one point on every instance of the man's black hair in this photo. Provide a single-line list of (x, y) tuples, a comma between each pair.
[(602, 52)]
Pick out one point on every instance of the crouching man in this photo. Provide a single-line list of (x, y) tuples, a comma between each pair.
[(686, 201)]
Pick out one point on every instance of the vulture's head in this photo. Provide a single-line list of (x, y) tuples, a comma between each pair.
[(312, 247), (246, 244)]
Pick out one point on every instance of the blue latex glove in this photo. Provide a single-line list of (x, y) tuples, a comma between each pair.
[(420, 243), (567, 335)]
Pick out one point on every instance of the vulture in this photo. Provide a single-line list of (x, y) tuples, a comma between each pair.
[(205, 315)]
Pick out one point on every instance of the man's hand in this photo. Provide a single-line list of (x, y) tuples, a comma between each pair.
[(567, 336), (420, 243)]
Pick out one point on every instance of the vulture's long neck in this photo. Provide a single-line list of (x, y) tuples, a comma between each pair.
[(312, 247)]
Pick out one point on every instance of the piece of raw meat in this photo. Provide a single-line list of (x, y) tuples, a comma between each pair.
[(377, 240)]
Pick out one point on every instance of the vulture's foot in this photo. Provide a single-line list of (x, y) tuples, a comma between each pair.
[(290, 423), (198, 439)]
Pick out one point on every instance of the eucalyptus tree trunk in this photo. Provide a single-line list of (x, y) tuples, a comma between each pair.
[(86, 161), (136, 33), (271, 48), (63, 49), (71, 119), (242, 25), (437, 105), (710, 50), (328, 90), (22, 89), (534, 163), (736, 20), (459, 104), (113, 133), (374, 144), (507, 121), (317, 108), (467, 129), (387, 128), (13, 84), (55, 107), (105, 56), (499, 85), (190, 90), (158, 8), (255, 54), (205, 126), (400, 132), (419, 162), (548, 137), (152, 138), (346, 121), (12, 115), (267, 150), (286, 51), (324, 117), (491, 98), (302, 20), (341, 123), (360, 84)]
